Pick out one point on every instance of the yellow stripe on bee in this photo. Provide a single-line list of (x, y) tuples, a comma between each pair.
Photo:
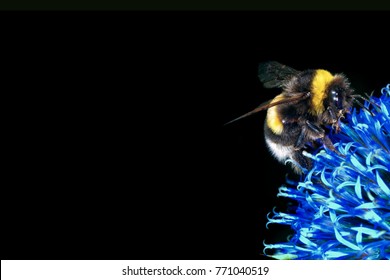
[(320, 82), (273, 120)]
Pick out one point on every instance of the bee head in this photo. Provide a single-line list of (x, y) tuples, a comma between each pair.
[(339, 95), (330, 95)]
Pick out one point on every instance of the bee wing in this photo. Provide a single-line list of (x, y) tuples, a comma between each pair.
[(268, 104), (273, 74)]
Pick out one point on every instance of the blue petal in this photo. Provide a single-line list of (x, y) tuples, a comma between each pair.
[(371, 232), (358, 188), (384, 110), (382, 185), (345, 242), (368, 205), (357, 164), (359, 237), (368, 159), (334, 254), (307, 242), (377, 166)]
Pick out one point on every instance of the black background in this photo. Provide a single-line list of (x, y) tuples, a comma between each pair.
[(116, 142), (198, 5)]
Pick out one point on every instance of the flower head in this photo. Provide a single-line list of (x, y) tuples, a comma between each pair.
[(343, 202)]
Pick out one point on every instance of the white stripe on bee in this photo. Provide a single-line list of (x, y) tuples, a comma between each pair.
[(279, 151)]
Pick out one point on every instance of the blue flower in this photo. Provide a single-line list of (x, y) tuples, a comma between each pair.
[(343, 202)]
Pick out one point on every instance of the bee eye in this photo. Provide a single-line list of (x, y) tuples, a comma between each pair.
[(336, 99), (335, 95)]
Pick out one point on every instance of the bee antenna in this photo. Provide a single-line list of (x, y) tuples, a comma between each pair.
[(366, 99), (359, 103), (369, 96)]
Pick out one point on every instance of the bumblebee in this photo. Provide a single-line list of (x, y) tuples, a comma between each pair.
[(311, 104)]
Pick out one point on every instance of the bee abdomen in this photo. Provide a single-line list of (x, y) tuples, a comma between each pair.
[(282, 148), (280, 151)]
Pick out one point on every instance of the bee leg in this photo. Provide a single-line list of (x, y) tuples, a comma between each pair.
[(310, 128), (325, 139), (335, 119), (302, 161), (315, 132), (315, 129), (301, 139), (328, 144), (332, 114)]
